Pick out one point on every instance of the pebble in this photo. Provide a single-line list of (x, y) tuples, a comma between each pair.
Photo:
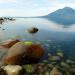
[(54, 58), (65, 66)]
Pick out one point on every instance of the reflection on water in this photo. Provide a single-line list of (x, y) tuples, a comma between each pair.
[(18, 28), (61, 35)]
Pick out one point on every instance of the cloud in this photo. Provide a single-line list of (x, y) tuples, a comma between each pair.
[(22, 12), (32, 7), (70, 1), (8, 1)]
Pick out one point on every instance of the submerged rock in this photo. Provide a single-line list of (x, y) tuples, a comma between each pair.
[(54, 58), (73, 71), (50, 66), (9, 43), (39, 68), (55, 71), (13, 69), (49, 54), (47, 73), (21, 54), (29, 68), (65, 66), (2, 71), (70, 61), (60, 54)]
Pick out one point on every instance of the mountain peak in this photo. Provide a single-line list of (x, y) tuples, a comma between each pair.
[(68, 8), (63, 16)]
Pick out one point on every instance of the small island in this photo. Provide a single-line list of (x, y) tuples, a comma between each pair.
[(4, 19)]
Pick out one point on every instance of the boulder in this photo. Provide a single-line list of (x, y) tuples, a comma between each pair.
[(13, 69), (33, 30), (22, 54), (35, 51), (9, 43)]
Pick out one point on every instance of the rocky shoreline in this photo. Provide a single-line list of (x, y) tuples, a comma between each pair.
[(55, 64)]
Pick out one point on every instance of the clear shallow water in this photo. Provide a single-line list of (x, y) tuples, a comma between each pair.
[(50, 33)]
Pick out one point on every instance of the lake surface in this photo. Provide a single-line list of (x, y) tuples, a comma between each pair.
[(59, 36)]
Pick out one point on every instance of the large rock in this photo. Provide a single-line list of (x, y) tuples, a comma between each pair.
[(9, 43), (13, 69), (21, 54)]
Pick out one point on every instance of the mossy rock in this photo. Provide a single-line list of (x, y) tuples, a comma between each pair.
[(28, 43)]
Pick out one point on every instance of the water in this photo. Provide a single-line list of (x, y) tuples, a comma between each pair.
[(50, 34)]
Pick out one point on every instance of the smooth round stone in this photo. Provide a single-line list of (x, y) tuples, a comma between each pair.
[(66, 66), (12, 69), (55, 71), (47, 73), (45, 61), (50, 66), (29, 68), (54, 58), (15, 54), (70, 61), (60, 54), (17, 49), (20, 54)]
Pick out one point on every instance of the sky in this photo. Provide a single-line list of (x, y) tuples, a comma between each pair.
[(28, 8)]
